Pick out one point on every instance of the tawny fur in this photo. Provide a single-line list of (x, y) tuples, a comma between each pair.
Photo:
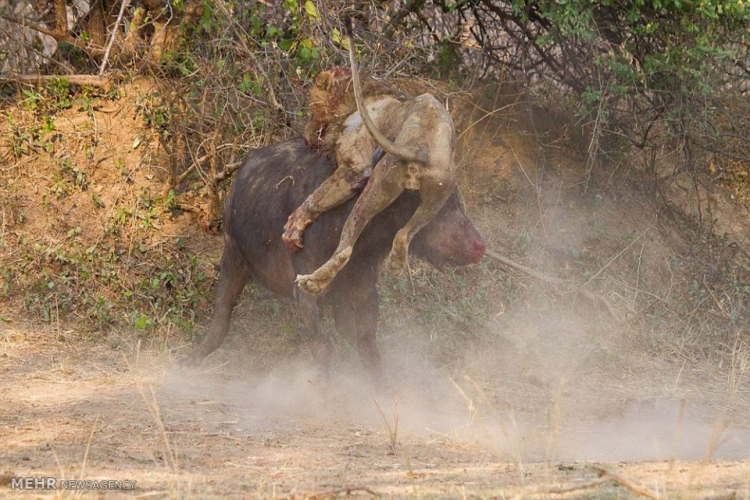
[(418, 138), (332, 102)]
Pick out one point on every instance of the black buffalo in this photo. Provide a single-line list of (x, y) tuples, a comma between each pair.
[(270, 184)]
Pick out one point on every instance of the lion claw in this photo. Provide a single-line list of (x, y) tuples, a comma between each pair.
[(396, 265), (293, 240), (294, 229), (309, 284)]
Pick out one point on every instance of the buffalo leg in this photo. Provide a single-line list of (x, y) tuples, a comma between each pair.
[(383, 187), (233, 276), (433, 198), (321, 346), (356, 318)]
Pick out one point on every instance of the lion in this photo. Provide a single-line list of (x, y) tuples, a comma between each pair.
[(334, 129), (420, 156)]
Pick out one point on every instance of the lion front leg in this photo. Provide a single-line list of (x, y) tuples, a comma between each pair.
[(316, 282), (341, 186), (383, 187)]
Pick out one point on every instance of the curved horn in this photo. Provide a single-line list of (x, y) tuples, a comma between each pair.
[(408, 153)]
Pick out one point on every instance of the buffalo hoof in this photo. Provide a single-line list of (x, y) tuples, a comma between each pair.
[(191, 360)]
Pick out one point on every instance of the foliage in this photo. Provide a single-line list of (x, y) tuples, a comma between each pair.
[(668, 77), (107, 281), (652, 54)]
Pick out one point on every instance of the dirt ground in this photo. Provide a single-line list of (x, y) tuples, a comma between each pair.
[(75, 409)]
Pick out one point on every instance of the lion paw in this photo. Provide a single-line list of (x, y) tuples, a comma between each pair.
[(293, 239), (310, 284), (294, 229), (396, 264)]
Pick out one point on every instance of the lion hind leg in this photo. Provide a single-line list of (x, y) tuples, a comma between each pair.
[(433, 199)]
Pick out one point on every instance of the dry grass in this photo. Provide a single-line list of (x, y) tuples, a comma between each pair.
[(207, 441), (391, 429)]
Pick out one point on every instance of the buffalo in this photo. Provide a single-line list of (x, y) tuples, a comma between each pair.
[(270, 184)]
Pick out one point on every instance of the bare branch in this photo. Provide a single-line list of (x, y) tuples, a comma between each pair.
[(635, 488), (552, 280), (80, 80), (228, 170), (123, 7), (90, 49)]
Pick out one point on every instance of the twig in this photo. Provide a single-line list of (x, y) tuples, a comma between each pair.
[(535, 274), (124, 6), (186, 207), (187, 172), (65, 66), (412, 7), (228, 170), (81, 80), (487, 115), (347, 491), (35, 27), (635, 488), (552, 280), (287, 178), (91, 50), (195, 163), (619, 254), (586, 486)]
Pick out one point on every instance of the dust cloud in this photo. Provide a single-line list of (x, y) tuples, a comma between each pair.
[(550, 378), (544, 393)]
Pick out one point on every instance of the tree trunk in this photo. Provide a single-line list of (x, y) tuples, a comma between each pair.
[(61, 17), (95, 26)]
